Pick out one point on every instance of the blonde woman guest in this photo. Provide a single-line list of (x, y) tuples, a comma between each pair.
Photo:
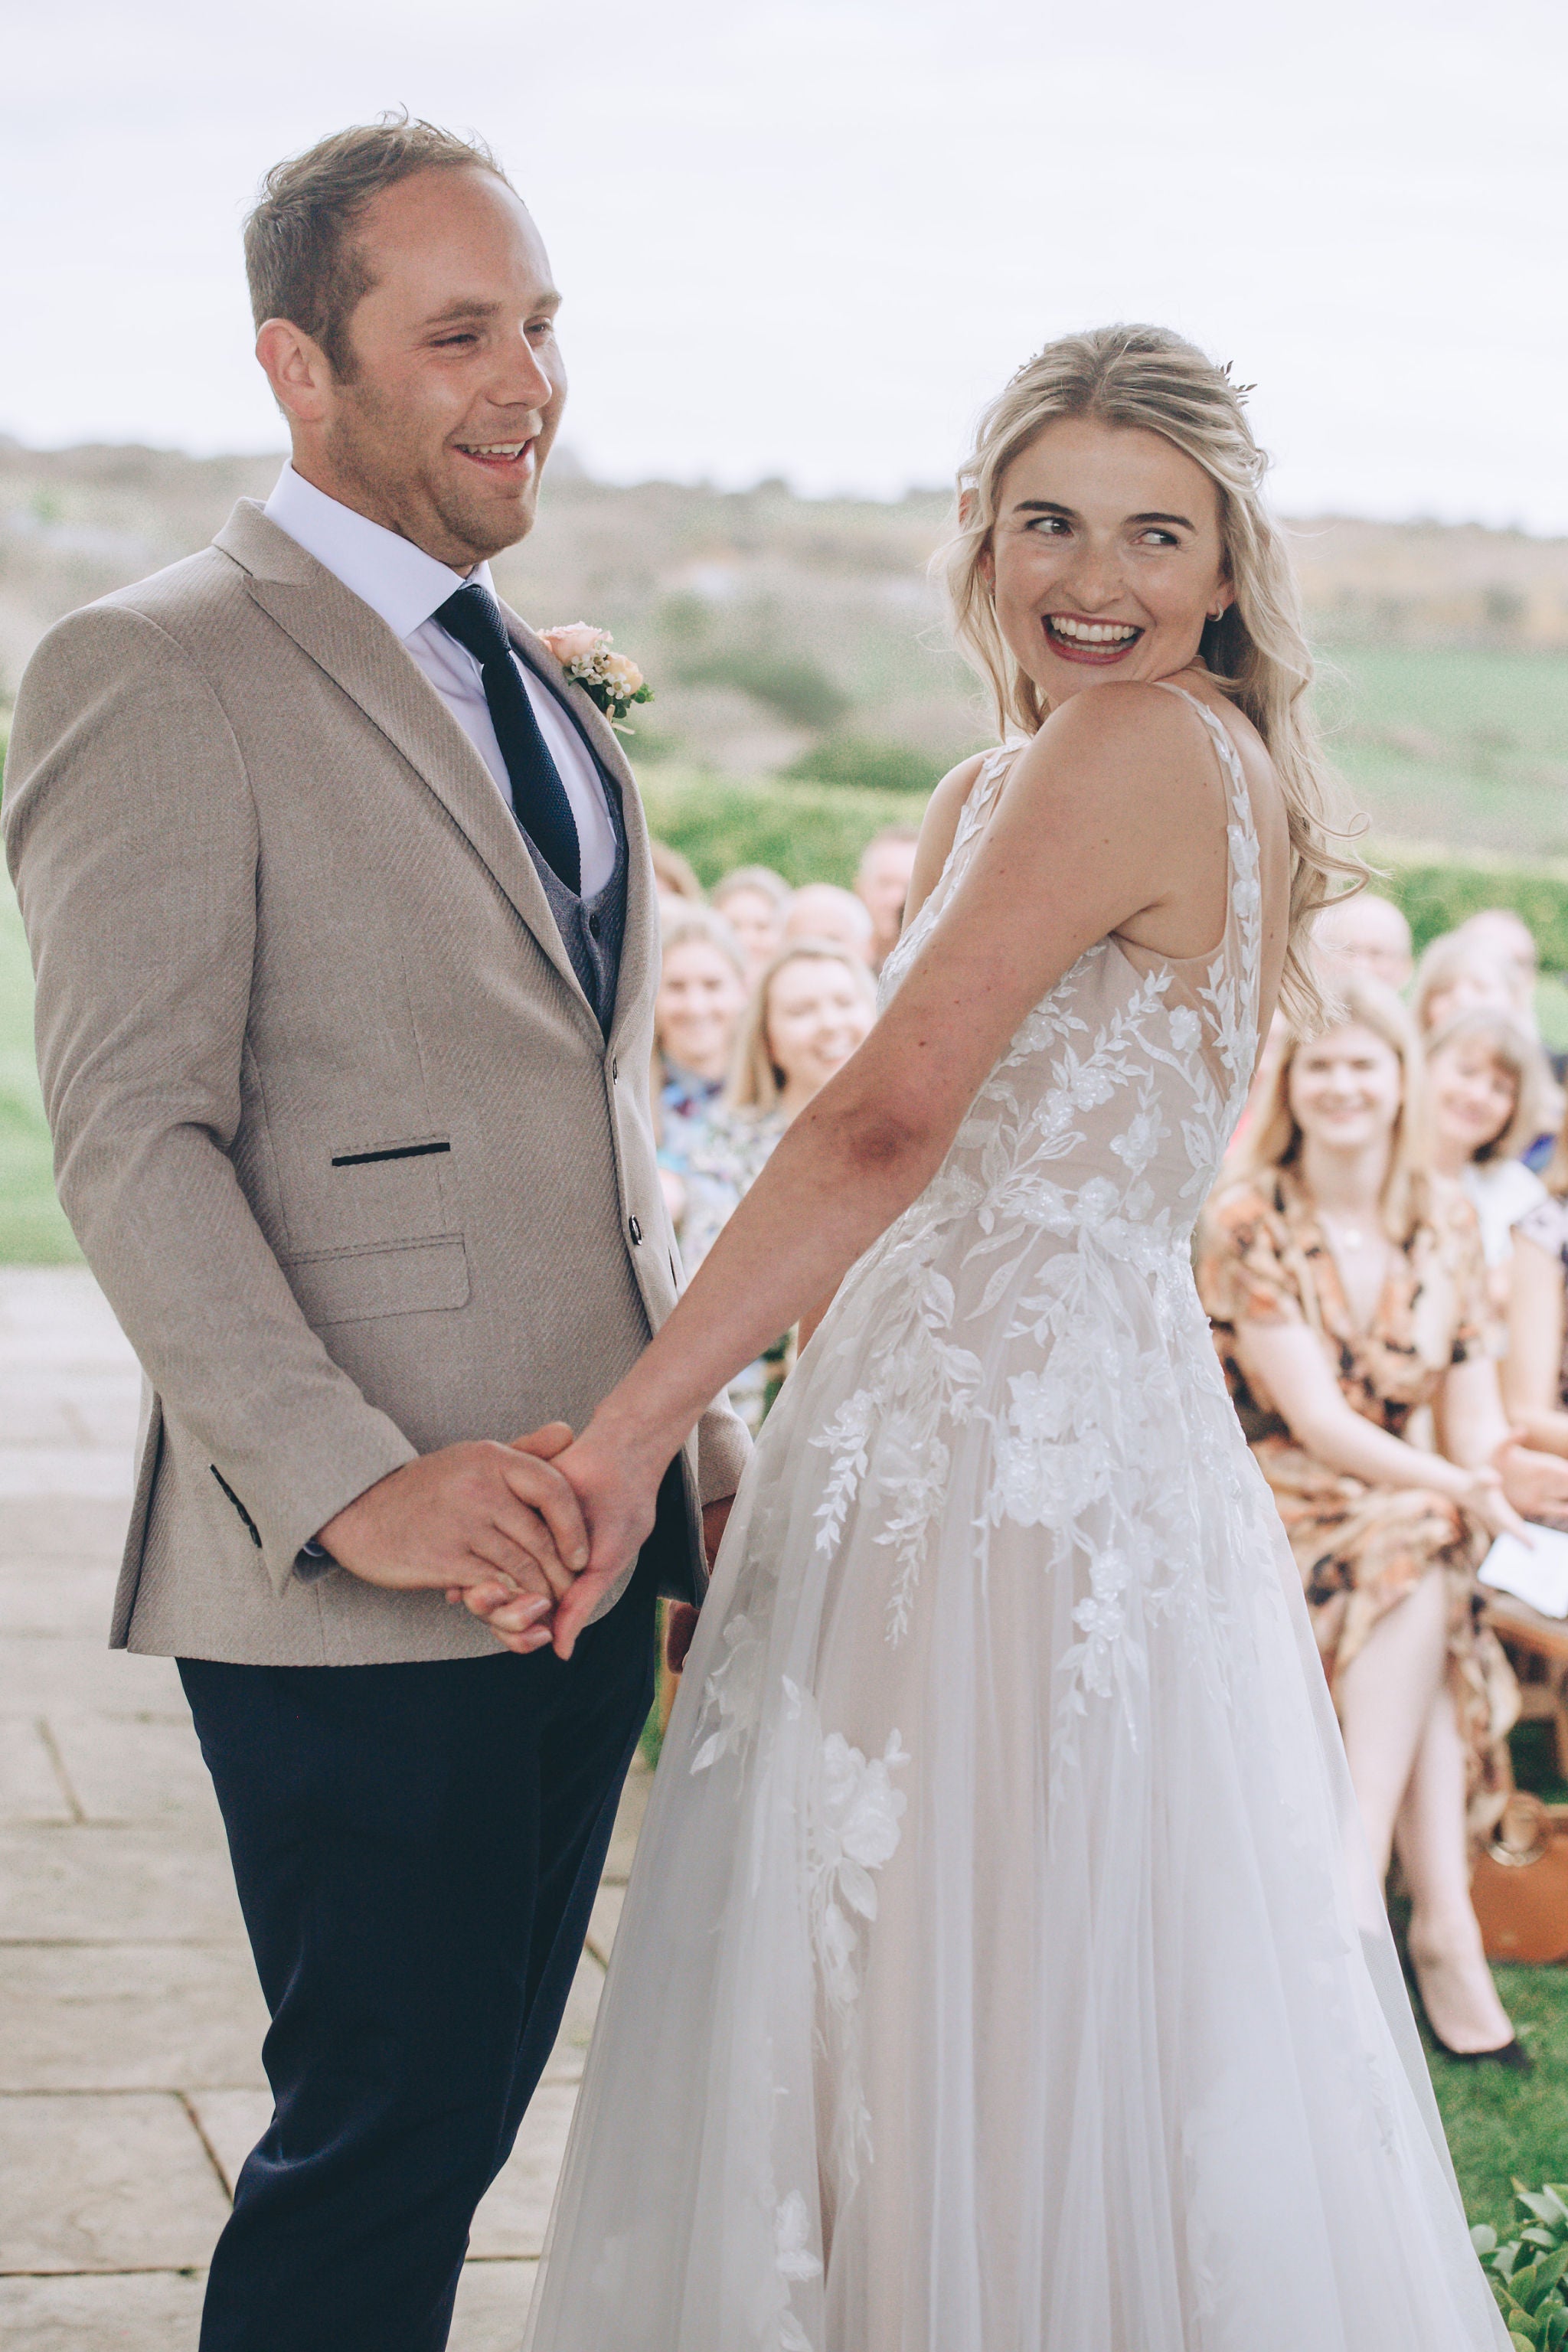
[(1454, 974), (882, 884), (823, 911), (1366, 938), (812, 1006), (701, 997), (754, 901), (996, 1963), (1346, 1289), (1486, 1084)]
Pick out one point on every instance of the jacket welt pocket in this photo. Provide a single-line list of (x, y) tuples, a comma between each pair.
[(356, 1285), (376, 1155)]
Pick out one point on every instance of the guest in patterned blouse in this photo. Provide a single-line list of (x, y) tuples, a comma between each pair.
[(1535, 1374), (701, 997), (1346, 1287), (812, 1007), (1487, 1088)]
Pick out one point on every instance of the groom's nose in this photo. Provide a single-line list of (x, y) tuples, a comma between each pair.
[(518, 380)]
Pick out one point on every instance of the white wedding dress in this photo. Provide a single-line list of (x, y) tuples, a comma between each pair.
[(992, 1977)]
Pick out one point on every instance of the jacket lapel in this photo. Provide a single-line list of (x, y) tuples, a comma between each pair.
[(360, 654)]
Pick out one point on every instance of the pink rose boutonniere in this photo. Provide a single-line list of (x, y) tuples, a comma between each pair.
[(607, 679)]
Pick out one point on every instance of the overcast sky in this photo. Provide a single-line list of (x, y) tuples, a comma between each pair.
[(811, 240)]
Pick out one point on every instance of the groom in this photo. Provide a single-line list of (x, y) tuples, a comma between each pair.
[(342, 908)]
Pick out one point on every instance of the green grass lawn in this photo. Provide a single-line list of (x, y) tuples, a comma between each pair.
[(1503, 2126), (32, 1229)]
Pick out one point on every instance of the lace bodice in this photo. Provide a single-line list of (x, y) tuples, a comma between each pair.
[(1113, 1104), (1095, 1138)]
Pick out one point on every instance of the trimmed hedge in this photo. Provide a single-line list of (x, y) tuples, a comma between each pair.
[(815, 832), (808, 833), (1438, 894)]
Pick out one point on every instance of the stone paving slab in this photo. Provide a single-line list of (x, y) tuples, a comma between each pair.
[(132, 1768), (71, 1526), (105, 2184), (31, 1787), (515, 2213), (492, 2307), (52, 1598), (84, 1884), (128, 2017), (156, 2312), (53, 1676)]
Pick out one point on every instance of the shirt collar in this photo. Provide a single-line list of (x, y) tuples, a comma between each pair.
[(398, 580)]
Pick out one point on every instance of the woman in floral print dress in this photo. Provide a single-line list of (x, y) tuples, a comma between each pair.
[(997, 1973), (1347, 1285)]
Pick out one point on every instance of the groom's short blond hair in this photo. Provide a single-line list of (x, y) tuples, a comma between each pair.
[(301, 255)]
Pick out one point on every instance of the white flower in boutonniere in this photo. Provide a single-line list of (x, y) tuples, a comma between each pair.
[(607, 679)]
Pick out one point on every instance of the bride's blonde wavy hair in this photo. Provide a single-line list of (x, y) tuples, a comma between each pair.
[(1154, 380)]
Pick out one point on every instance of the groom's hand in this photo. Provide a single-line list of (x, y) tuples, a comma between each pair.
[(473, 1515)]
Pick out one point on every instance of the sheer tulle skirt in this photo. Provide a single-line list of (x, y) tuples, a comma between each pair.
[(1001, 1969)]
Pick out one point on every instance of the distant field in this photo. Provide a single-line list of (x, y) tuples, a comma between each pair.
[(1465, 747)]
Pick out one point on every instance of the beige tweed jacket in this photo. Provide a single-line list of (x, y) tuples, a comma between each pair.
[(334, 1124)]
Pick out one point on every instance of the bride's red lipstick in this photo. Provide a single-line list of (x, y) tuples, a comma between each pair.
[(1098, 644)]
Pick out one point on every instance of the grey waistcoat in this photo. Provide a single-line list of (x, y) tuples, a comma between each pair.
[(592, 930)]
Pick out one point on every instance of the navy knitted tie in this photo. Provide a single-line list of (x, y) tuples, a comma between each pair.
[(538, 795)]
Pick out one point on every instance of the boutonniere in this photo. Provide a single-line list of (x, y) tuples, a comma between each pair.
[(607, 679)]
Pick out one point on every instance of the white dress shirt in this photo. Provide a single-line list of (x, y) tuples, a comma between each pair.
[(405, 586)]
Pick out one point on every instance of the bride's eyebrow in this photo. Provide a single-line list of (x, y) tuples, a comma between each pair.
[(1184, 521), (1044, 506)]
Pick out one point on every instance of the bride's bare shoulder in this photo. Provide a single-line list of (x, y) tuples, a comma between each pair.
[(939, 830)]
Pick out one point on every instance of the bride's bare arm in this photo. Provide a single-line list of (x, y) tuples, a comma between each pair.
[(1114, 812)]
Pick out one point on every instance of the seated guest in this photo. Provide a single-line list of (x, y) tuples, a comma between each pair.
[(1535, 1372), (701, 996), (1366, 938), (1487, 1083), (823, 911), (1508, 939), (811, 1008), (1454, 974), (882, 884), (753, 901), (1345, 1284)]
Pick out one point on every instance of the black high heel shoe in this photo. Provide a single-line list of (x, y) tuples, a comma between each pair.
[(1511, 2055)]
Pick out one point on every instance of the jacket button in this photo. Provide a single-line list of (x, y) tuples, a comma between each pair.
[(615, 1072), (634, 1230)]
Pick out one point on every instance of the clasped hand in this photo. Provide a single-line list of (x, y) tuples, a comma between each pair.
[(616, 1504), (529, 1535)]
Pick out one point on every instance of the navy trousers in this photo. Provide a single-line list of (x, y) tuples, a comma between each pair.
[(417, 1849)]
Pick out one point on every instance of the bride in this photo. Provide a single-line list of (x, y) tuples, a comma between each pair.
[(1000, 1972)]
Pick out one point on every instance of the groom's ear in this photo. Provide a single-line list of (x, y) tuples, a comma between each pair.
[(297, 368)]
